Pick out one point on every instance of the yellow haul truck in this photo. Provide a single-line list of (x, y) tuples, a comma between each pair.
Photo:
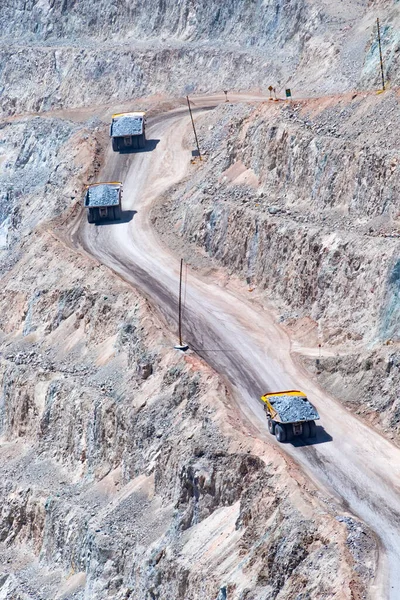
[(103, 201), (128, 130), (290, 414)]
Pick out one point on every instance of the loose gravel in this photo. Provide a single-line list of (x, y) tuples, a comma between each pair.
[(127, 126), (102, 195), (294, 408)]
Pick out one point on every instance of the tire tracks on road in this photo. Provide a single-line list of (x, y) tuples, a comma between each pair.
[(242, 342)]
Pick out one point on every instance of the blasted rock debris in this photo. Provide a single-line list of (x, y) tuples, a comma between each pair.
[(125, 126), (293, 408), (102, 195)]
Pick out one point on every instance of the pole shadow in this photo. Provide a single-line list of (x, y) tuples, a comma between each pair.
[(126, 217), (150, 146)]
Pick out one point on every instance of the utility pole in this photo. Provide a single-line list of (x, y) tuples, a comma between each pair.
[(181, 345), (180, 304), (380, 55), (318, 360), (194, 128)]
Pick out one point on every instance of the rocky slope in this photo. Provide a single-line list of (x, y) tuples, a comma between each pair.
[(301, 200), (124, 469), (85, 53)]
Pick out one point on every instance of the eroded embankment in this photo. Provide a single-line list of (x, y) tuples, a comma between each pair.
[(81, 53), (301, 200), (125, 472)]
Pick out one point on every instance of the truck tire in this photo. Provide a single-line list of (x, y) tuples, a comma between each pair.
[(90, 216), (142, 141), (117, 213), (289, 432), (306, 430), (271, 426), (313, 429), (280, 433), (115, 144)]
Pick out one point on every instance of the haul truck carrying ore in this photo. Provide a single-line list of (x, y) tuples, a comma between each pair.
[(290, 414), (128, 130), (103, 201)]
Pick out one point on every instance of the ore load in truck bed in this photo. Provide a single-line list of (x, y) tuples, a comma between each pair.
[(102, 195), (293, 408), (127, 125)]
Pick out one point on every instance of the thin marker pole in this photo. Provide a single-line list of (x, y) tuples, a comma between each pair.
[(194, 128), (380, 54), (181, 346), (180, 304)]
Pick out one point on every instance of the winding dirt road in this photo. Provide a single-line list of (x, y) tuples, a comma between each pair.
[(242, 342)]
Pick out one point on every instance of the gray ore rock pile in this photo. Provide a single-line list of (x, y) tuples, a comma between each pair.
[(126, 126), (102, 195), (293, 408)]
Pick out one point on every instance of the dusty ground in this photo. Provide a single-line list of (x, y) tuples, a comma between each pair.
[(310, 238), (238, 336), (125, 469), (129, 470)]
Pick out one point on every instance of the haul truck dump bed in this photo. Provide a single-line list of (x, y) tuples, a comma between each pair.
[(290, 414), (103, 201), (128, 130)]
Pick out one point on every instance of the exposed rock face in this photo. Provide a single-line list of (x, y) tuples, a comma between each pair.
[(366, 382), (35, 183), (183, 20), (124, 471), (133, 486), (86, 53), (329, 248), (302, 202)]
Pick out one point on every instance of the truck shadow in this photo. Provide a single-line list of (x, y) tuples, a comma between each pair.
[(126, 217), (322, 437), (150, 146)]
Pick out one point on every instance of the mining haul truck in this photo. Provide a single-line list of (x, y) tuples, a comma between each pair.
[(128, 130), (290, 414), (103, 201)]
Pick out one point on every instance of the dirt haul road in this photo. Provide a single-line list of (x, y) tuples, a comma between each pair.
[(242, 341)]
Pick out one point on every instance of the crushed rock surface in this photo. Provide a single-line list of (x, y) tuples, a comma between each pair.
[(293, 408), (102, 195), (125, 126)]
